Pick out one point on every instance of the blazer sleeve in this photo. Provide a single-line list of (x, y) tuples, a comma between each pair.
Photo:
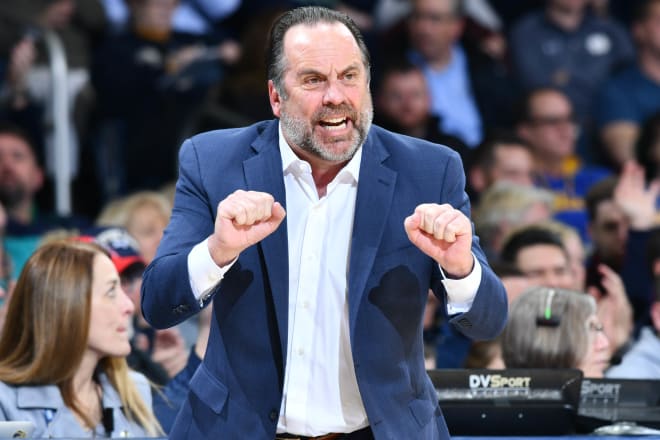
[(167, 297), (487, 316)]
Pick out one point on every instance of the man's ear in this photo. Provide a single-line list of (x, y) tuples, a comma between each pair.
[(275, 98)]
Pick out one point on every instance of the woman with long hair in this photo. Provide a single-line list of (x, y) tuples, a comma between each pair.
[(63, 348)]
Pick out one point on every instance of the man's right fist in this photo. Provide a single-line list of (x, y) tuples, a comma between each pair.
[(244, 218)]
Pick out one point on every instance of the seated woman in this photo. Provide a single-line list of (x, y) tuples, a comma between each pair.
[(63, 348), (555, 328)]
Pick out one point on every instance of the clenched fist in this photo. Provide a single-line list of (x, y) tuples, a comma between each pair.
[(444, 234), (244, 218)]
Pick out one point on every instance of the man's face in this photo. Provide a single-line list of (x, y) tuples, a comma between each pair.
[(20, 176), (434, 28), (569, 6), (647, 32), (545, 265), (513, 163), (609, 231), (404, 99), (327, 110), (551, 129)]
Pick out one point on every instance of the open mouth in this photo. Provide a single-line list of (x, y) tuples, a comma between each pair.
[(334, 123)]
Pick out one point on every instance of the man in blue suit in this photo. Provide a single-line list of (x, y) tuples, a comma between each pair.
[(317, 318)]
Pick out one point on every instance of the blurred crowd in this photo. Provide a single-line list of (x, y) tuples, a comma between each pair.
[(553, 106)]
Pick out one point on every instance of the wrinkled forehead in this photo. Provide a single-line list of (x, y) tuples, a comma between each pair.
[(319, 41)]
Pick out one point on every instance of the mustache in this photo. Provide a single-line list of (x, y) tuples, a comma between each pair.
[(335, 111)]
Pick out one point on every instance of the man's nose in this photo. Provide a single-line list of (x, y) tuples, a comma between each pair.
[(334, 93)]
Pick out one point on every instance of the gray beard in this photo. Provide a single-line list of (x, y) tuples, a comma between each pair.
[(298, 133)]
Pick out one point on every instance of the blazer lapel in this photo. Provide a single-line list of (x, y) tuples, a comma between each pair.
[(374, 198), (263, 172)]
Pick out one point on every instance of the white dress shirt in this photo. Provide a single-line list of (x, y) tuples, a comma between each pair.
[(321, 393)]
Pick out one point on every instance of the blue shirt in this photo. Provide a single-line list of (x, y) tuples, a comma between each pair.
[(576, 62), (451, 97), (628, 96)]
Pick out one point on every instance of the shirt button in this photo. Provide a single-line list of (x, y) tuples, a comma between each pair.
[(306, 304), (301, 351)]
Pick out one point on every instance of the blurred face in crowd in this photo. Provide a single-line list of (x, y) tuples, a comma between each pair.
[(596, 359), (20, 175), (434, 26), (647, 31), (550, 129), (513, 163), (153, 15), (57, 14), (111, 311), (404, 99), (568, 6), (545, 265), (609, 231), (325, 108), (146, 224)]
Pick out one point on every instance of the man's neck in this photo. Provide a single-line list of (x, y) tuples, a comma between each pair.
[(566, 19), (441, 61)]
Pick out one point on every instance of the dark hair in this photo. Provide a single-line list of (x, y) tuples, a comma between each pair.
[(484, 155), (529, 236), (11, 129), (523, 108), (599, 192), (307, 15), (642, 10), (649, 136)]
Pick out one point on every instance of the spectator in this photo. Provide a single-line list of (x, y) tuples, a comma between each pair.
[(403, 104), (21, 179), (506, 206), (622, 214), (435, 27), (632, 96), (501, 157), (144, 214), (555, 328), (642, 361), (171, 73), (547, 123), (540, 254), (63, 349), (80, 24), (159, 355), (565, 47)]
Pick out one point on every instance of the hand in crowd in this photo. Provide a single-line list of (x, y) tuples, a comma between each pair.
[(614, 309), (636, 199), (21, 61), (57, 14), (244, 218), (170, 351), (444, 234)]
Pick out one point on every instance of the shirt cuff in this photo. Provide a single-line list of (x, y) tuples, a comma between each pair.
[(461, 293), (204, 274)]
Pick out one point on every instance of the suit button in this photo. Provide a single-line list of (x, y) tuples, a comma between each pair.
[(181, 309), (273, 416), (465, 322)]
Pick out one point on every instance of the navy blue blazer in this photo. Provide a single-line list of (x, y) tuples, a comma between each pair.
[(237, 391)]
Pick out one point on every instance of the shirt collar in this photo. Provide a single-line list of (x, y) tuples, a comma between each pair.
[(293, 164)]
